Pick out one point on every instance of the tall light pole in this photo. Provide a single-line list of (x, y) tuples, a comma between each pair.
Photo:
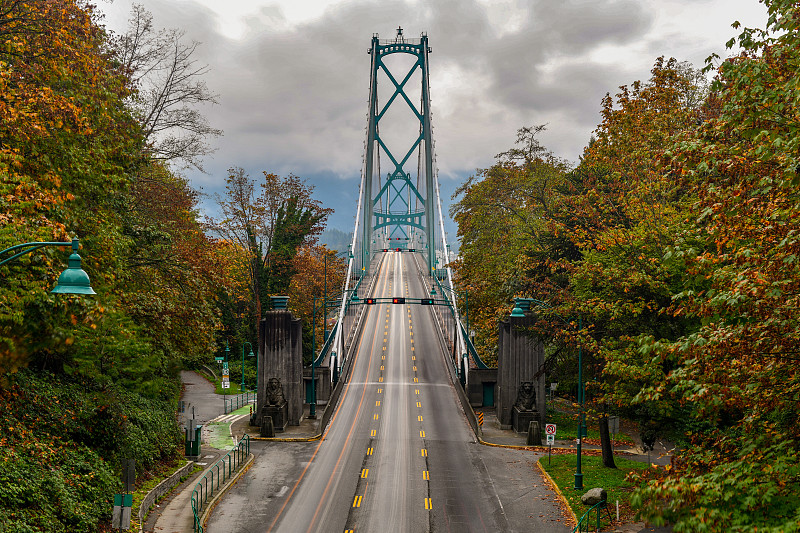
[(242, 387), (520, 312)]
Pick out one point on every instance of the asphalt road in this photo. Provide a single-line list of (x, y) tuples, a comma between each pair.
[(398, 454)]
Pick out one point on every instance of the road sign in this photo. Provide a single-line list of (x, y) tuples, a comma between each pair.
[(550, 429), (226, 385), (225, 373), (225, 366), (551, 439)]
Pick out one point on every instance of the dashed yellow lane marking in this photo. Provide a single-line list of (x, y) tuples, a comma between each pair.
[(419, 404), (428, 504), (419, 418), (416, 391), (414, 368), (424, 452), (422, 433), (412, 341), (412, 348), (357, 502), (380, 380), (372, 433), (413, 357), (381, 367), (415, 380), (364, 473), (377, 403), (380, 391), (375, 416), (369, 451), (426, 475), (383, 358)]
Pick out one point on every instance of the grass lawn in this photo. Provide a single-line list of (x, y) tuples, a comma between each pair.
[(567, 427), (562, 470)]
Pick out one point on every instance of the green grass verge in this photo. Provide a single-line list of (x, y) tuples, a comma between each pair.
[(567, 427), (562, 470)]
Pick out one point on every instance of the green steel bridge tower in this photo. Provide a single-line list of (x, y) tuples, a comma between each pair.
[(398, 209)]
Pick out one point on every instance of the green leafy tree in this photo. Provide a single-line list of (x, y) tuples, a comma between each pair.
[(739, 370)]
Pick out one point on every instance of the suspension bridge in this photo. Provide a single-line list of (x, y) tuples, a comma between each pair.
[(399, 452)]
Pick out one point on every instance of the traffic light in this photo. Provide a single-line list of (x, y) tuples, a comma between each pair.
[(398, 300), (426, 301), (370, 301)]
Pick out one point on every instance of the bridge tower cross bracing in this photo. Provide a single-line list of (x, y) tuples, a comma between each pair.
[(399, 213)]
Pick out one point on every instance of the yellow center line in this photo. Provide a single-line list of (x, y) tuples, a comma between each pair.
[(422, 433), (424, 452), (377, 403), (375, 416), (357, 502), (416, 391), (419, 418), (419, 404), (428, 504), (415, 369), (426, 475), (369, 451), (364, 473), (372, 433)]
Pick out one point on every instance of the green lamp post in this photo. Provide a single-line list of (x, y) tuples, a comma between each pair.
[(248, 355), (74, 280)]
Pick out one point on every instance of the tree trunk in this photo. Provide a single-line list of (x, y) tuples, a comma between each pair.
[(605, 443)]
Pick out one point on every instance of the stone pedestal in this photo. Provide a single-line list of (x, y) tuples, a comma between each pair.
[(520, 420), (279, 414)]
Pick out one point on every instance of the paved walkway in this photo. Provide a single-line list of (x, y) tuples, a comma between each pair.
[(174, 513)]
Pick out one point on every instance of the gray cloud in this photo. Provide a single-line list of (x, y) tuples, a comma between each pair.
[(293, 98)]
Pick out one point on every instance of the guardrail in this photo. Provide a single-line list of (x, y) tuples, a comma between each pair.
[(585, 520), (217, 475), (240, 400)]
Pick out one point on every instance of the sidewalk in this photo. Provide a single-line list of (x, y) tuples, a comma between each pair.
[(174, 513)]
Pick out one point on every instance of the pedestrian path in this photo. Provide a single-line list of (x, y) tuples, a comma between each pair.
[(217, 432)]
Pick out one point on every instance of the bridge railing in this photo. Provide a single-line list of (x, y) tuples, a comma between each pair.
[(215, 477)]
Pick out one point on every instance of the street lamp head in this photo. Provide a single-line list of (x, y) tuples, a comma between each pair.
[(74, 280), (251, 354)]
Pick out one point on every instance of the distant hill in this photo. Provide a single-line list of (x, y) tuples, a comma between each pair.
[(336, 239)]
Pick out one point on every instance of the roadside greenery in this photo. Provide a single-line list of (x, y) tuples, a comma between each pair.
[(668, 254), (561, 468)]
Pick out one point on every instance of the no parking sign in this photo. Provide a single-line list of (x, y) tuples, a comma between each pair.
[(550, 429)]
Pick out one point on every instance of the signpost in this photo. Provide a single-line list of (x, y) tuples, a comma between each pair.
[(550, 431)]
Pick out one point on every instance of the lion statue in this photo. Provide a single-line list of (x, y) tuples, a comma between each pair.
[(275, 392), (526, 396)]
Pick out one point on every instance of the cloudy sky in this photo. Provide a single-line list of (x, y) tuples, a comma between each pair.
[(293, 75)]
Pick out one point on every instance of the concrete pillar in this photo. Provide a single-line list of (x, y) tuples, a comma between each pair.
[(281, 356), (519, 358)]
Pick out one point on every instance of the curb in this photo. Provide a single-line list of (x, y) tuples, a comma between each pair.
[(558, 491), (213, 503), (288, 439)]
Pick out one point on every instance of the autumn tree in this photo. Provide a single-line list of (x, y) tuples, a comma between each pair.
[(269, 228), (739, 371), (498, 212), (169, 89)]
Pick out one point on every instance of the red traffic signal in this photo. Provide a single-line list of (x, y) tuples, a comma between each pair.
[(370, 301), (398, 300)]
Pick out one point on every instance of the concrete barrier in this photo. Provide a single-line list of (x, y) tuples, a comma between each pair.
[(161, 489)]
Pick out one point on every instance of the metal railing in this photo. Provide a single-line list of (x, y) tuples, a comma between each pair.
[(216, 476), (585, 522), (452, 327), (240, 400)]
